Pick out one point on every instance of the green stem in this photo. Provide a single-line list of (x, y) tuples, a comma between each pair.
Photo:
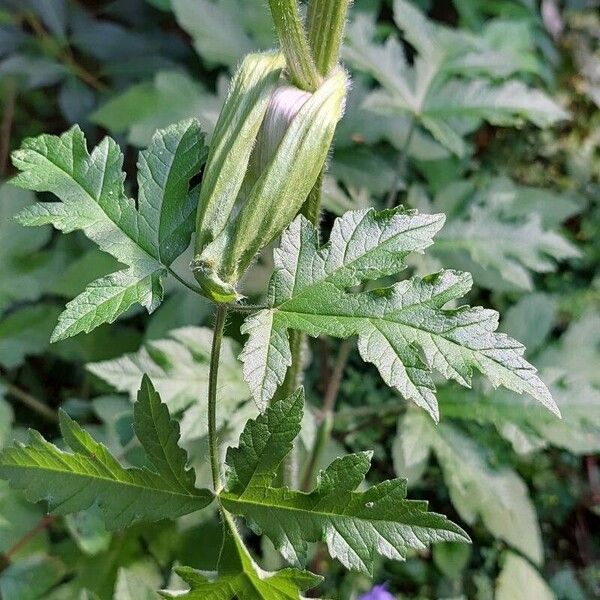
[(215, 354), (292, 37), (326, 20), (402, 164)]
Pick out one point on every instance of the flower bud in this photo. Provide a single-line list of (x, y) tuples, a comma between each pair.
[(292, 145)]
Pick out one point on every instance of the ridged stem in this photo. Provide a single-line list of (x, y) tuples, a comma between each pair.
[(294, 43), (326, 20), (213, 376)]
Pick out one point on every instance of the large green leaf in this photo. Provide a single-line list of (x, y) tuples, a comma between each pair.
[(355, 525), (403, 329), (498, 497), (146, 238), (71, 482), (240, 578)]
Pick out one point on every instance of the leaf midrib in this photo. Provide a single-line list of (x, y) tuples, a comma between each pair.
[(97, 203), (332, 274), (131, 484)]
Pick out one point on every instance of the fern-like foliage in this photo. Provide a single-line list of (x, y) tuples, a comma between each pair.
[(355, 525), (147, 237), (403, 329), (71, 482)]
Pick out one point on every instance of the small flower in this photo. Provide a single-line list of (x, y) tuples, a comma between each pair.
[(379, 592)]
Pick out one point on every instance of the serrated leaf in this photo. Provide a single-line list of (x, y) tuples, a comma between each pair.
[(428, 91), (240, 578), (72, 482), (356, 526), (159, 435), (90, 187), (498, 497), (178, 367), (511, 247), (403, 329), (570, 368)]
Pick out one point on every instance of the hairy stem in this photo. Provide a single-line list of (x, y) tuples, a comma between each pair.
[(292, 37), (326, 20), (215, 355)]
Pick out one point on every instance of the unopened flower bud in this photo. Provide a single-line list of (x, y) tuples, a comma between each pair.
[(291, 148)]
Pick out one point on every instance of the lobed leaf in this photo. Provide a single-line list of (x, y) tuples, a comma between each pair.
[(72, 482), (90, 186), (403, 329), (356, 526)]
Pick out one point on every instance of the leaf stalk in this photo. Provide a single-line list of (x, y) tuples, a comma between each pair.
[(215, 354)]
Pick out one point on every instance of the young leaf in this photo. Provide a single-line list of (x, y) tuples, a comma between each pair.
[(147, 239), (72, 482), (309, 291), (240, 578), (356, 526)]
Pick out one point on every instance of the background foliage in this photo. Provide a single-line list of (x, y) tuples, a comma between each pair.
[(487, 111)]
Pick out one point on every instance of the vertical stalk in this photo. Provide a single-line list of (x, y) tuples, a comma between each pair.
[(215, 354), (326, 20), (402, 164), (292, 37)]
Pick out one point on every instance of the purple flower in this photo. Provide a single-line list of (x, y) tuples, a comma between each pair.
[(379, 592)]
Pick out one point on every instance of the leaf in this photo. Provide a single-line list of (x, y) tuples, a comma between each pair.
[(31, 578), (518, 580), (159, 435), (25, 332), (403, 329), (145, 107), (356, 526), (130, 586), (240, 578), (497, 231), (225, 31), (25, 269), (72, 482), (147, 239), (444, 105), (570, 367), (504, 47), (498, 497), (178, 367)]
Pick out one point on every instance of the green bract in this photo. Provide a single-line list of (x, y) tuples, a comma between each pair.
[(270, 177)]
